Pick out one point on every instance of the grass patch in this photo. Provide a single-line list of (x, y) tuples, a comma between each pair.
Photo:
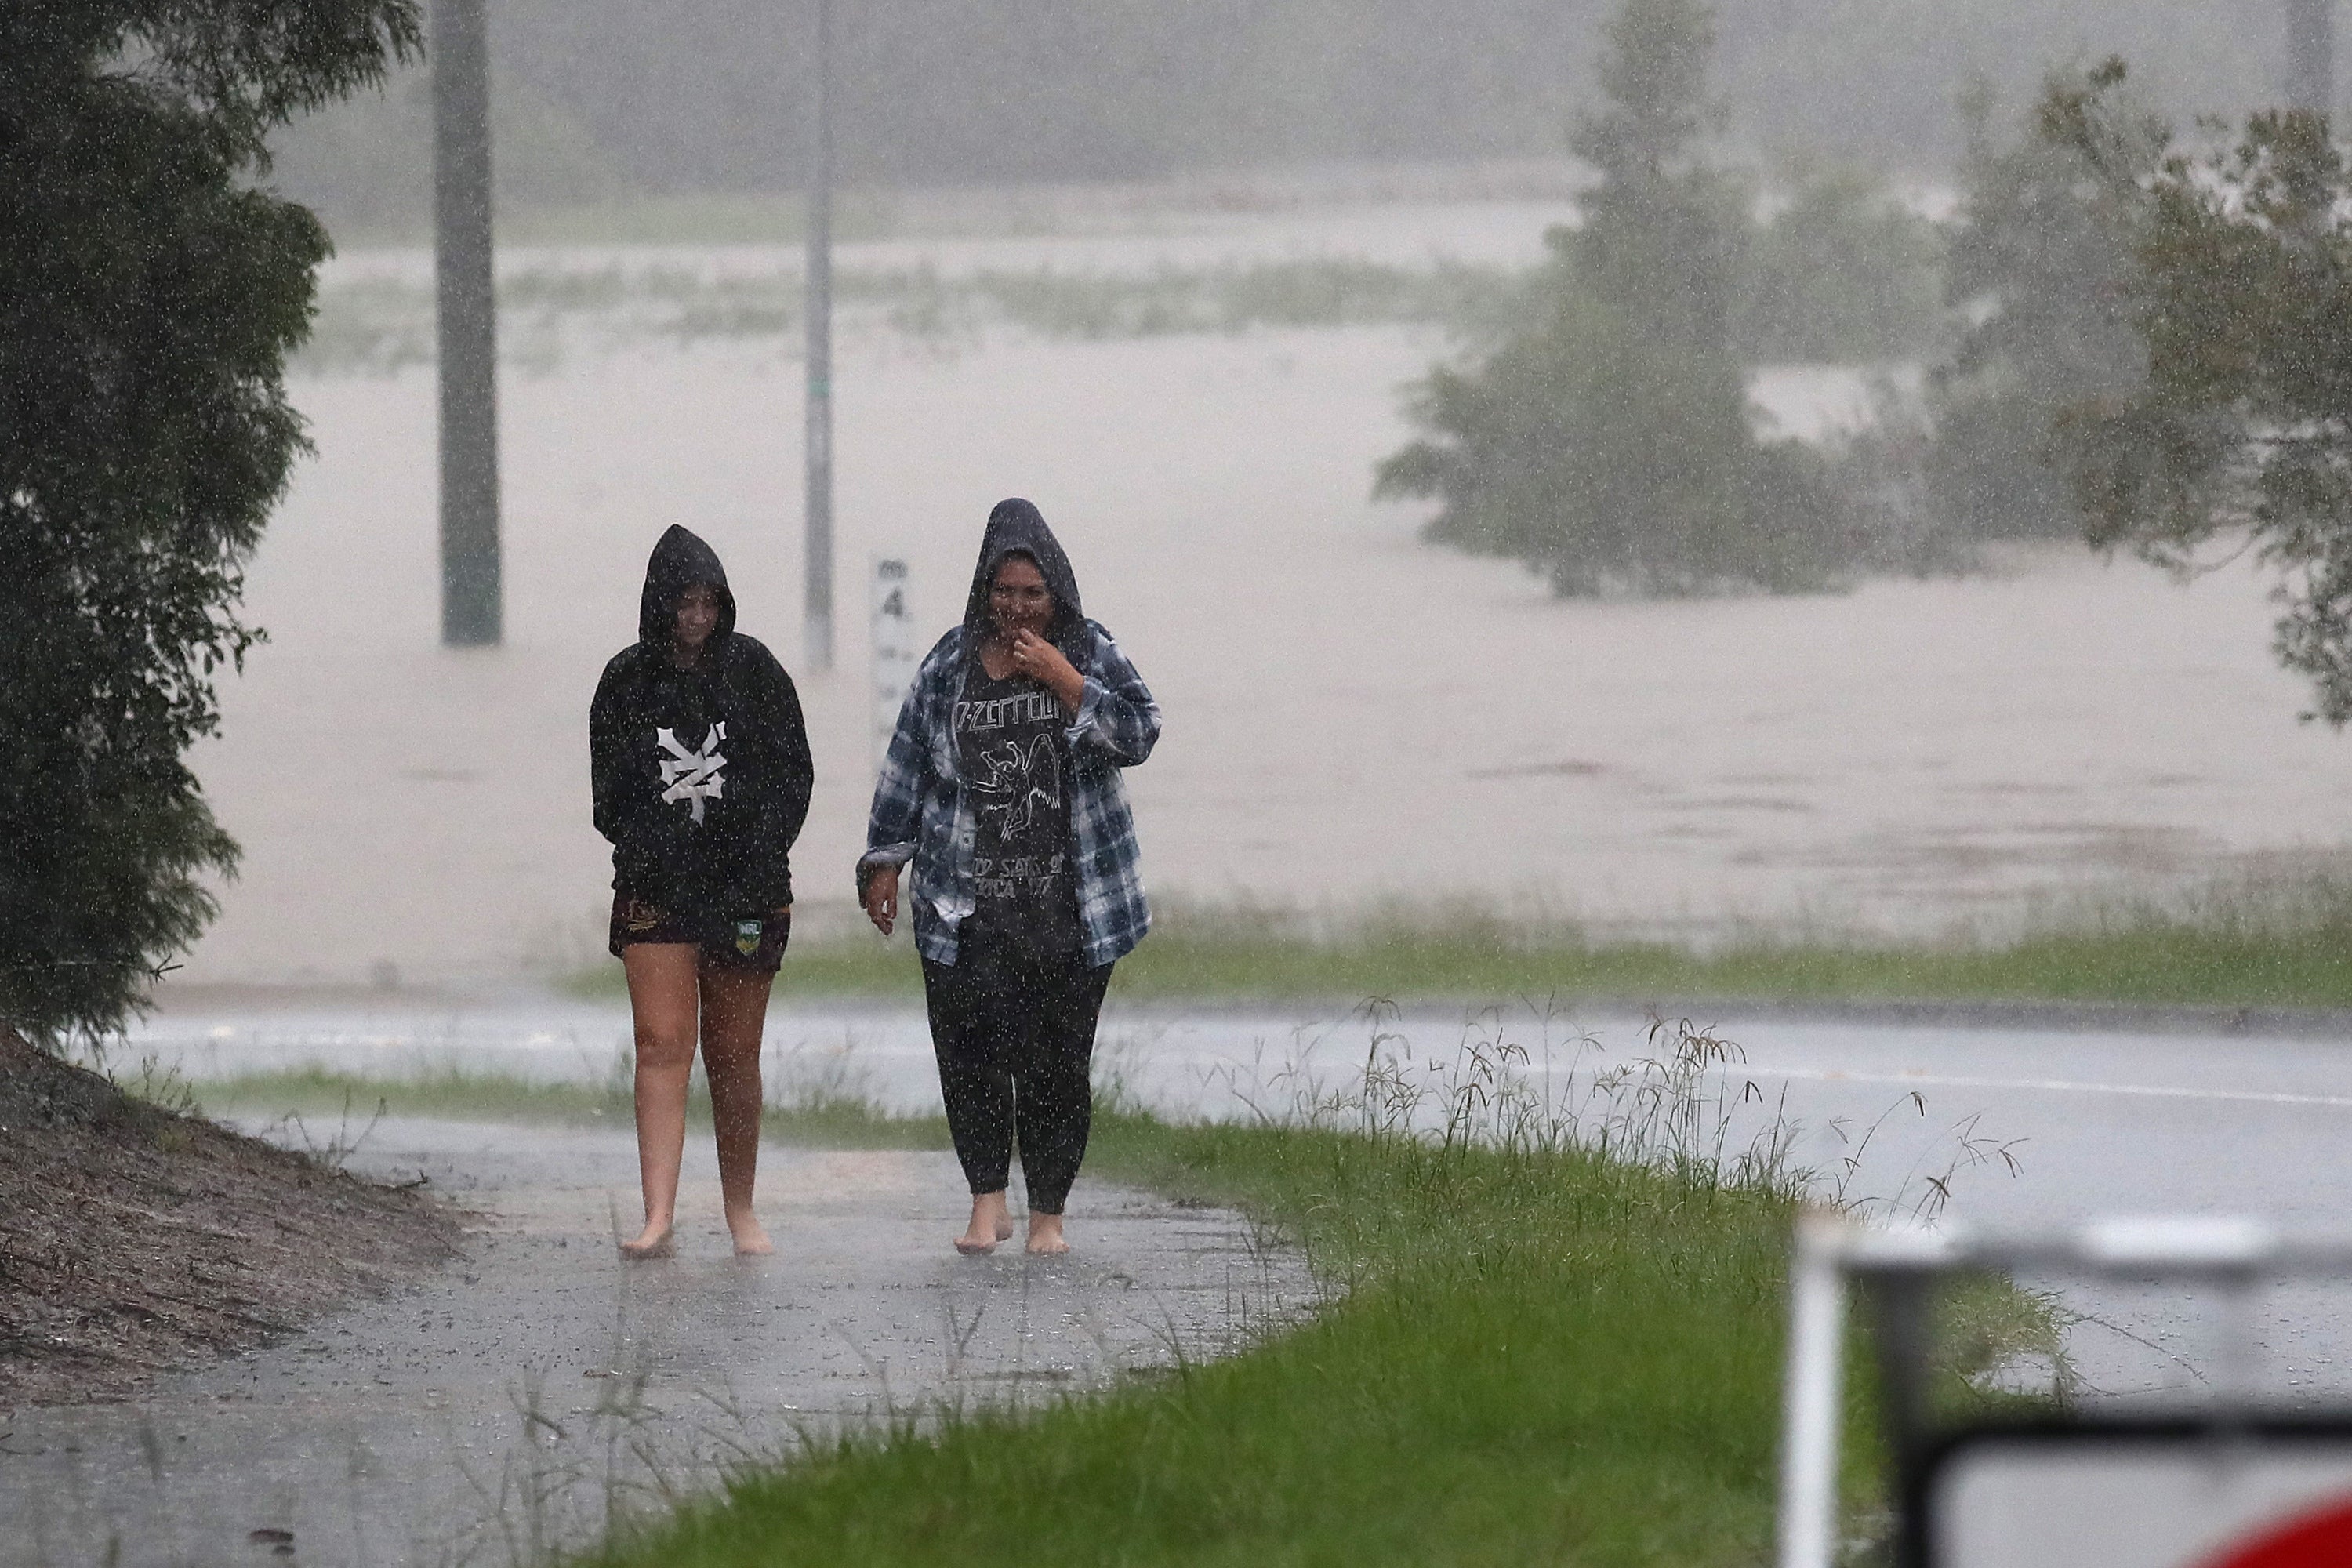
[(1555, 1336), (814, 1114), (2254, 943), (1542, 1359)]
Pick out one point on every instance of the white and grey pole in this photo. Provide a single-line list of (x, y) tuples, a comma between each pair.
[(818, 548)]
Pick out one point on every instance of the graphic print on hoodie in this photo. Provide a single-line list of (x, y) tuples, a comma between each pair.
[(1012, 752), (701, 776)]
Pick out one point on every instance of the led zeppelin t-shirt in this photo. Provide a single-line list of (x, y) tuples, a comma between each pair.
[(1015, 757)]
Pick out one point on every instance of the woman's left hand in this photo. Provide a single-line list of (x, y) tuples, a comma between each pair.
[(1044, 663)]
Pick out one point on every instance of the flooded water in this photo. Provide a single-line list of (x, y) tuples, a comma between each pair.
[(1904, 756)]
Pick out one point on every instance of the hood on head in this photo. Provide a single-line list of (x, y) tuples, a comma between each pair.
[(1017, 527), (679, 561)]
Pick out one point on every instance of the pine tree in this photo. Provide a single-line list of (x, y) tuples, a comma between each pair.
[(149, 293), (1607, 443)]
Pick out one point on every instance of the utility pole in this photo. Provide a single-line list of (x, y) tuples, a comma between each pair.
[(818, 548), (466, 326), (2311, 55)]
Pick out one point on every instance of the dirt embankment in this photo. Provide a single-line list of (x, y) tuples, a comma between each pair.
[(133, 1238)]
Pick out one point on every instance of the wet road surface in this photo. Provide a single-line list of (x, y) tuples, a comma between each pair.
[(508, 1404)]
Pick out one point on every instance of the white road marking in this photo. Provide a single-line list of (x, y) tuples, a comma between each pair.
[(2047, 1086)]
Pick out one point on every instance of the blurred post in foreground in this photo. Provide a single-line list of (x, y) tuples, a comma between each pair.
[(818, 550), (895, 653), (2311, 55), (466, 327)]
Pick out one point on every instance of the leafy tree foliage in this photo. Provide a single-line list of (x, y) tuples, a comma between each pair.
[(148, 296), (1607, 443), (1842, 272), (2241, 291), (2037, 276)]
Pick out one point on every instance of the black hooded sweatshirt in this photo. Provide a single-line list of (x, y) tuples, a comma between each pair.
[(1015, 527), (701, 776)]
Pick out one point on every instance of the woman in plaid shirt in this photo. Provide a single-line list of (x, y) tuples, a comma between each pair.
[(1003, 786)]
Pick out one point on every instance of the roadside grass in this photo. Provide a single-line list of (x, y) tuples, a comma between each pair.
[(813, 1114), (2272, 942), (1541, 1358), (1554, 1334)]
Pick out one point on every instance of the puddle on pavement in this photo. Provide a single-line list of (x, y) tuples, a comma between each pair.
[(517, 1402)]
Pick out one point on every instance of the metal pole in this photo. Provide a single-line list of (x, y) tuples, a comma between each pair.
[(1814, 1401), (819, 546), (467, 326), (2311, 55)]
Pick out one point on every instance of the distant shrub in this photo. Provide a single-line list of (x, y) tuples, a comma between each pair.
[(1844, 272), (2037, 280), (1606, 442)]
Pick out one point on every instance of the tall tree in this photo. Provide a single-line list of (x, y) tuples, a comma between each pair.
[(149, 293), (2240, 291), (1607, 443), (2036, 276)]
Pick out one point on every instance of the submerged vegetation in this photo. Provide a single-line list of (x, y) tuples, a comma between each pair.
[(375, 326), (1606, 442), (2036, 282), (1841, 271)]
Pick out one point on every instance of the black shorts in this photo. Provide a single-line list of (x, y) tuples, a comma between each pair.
[(755, 942)]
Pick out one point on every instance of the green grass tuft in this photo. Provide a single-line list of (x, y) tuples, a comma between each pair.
[(818, 1115), (2273, 944)]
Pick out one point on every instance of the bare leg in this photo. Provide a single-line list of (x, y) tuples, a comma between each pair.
[(991, 1223), (1046, 1233), (734, 1013), (661, 1005)]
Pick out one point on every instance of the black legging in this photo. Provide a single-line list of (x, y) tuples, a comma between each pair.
[(1014, 1033)]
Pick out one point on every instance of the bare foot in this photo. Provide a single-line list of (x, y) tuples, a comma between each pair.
[(990, 1224), (750, 1239), (658, 1241), (1045, 1236)]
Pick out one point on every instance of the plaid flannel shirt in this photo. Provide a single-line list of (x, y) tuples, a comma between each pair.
[(921, 814)]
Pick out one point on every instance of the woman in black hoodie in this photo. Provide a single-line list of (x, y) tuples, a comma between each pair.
[(700, 767)]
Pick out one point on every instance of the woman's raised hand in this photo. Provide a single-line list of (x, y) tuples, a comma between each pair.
[(1044, 663), (882, 899)]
